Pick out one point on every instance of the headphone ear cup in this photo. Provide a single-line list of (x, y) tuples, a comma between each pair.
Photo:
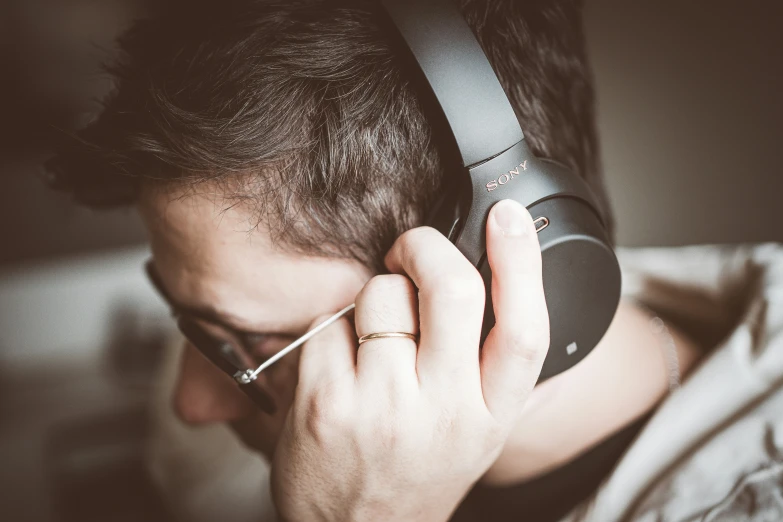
[(582, 281)]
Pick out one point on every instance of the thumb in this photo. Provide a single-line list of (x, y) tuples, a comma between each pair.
[(515, 349)]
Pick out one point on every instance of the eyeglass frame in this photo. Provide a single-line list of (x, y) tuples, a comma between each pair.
[(243, 377)]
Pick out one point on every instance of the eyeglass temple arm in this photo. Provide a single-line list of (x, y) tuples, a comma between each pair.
[(250, 375)]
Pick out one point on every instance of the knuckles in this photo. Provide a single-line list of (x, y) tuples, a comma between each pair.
[(415, 240), (330, 417), (454, 278), (530, 344), (381, 286), (458, 281), (388, 429), (386, 303), (417, 237), (328, 413), (465, 286)]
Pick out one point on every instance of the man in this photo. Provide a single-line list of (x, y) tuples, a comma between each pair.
[(281, 161)]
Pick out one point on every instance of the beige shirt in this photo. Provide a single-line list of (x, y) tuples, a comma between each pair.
[(714, 449)]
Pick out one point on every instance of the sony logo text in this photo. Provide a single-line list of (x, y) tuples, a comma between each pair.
[(505, 178)]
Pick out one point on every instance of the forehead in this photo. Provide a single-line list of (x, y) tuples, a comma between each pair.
[(209, 253)]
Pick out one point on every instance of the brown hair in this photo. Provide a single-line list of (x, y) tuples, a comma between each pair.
[(302, 112)]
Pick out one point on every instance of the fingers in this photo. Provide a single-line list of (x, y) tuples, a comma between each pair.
[(515, 349), (451, 303), (450, 312), (387, 303), (330, 356)]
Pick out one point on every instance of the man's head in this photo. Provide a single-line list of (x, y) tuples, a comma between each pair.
[(277, 149)]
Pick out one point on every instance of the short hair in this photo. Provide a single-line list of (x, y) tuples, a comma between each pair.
[(303, 112)]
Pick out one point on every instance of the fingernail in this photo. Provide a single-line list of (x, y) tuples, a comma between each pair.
[(510, 217)]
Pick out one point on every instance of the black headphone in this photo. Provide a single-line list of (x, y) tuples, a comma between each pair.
[(487, 160)]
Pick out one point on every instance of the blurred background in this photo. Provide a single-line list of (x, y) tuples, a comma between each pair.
[(689, 112)]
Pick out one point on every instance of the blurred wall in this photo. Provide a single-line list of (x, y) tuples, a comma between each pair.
[(50, 78), (690, 110), (689, 114)]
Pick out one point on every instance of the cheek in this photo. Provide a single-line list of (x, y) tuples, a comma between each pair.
[(261, 432), (282, 376), (204, 394)]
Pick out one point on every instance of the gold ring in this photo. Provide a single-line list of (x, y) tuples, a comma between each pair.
[(385, 335)]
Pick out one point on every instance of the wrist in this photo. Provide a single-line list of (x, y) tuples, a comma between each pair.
[(367, 511), (431, 509)]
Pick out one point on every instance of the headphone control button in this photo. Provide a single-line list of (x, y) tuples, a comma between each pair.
[(540, 223)]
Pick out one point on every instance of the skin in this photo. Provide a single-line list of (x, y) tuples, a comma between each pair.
[(211, 258)]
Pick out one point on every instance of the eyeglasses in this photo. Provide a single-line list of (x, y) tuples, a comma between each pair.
[(234, 351)]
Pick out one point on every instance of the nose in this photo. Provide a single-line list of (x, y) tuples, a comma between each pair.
[(204, 394)]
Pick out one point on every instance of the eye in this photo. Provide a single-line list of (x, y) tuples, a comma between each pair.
[(229, 352), (211, 341), (260, 345)]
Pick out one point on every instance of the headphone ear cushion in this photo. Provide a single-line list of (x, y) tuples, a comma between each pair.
[(582, 281)]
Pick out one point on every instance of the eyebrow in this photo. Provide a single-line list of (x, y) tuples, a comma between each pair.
[(206, 312), (223, 318)]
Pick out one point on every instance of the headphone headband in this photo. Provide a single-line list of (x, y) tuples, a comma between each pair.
[(580, 271), (457, 71)]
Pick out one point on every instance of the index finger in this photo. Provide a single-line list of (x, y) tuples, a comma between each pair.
[(330, 356), (451, 302)]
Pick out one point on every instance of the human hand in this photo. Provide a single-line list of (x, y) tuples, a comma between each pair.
[(398, 431)]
